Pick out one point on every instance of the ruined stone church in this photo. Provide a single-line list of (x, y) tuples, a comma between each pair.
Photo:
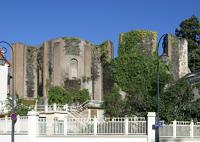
[(68, 62), (76, 64)]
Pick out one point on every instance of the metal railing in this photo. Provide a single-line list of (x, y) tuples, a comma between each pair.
[(186, 129), (91, 126)]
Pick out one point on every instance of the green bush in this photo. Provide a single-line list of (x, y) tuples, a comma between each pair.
[(113, 103), (59, 95), (81, 96)]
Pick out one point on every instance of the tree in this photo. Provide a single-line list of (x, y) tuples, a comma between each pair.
[(190, 30), (194, 110), (176, 100), (19, 108), (113, 103)]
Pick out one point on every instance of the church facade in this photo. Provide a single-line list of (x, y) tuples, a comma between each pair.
[(68, 62)]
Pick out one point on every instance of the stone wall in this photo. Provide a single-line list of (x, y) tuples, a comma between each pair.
[(63, 62), (25, 64), (177, 51), (19, 65)]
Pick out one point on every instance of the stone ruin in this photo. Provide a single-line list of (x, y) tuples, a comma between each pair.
[(76, 64)]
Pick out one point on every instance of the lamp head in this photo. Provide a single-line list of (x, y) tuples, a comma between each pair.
[(164, 58)]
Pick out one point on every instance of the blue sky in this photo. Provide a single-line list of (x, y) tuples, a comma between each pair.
[(36, 21)]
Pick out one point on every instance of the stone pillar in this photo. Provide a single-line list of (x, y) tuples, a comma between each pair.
[(54, 107), (65, 125), (126, 126), (151, 121), (174, 129), (95, 126), (6, 124), (66, 108), (191, 129), (46, 108), (32, 125)]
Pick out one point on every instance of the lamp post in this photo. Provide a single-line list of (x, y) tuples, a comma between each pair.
[(158, 90), (13, 115)]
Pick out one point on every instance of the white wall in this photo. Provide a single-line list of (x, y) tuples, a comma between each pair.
[(93, 139), (3, 85), (25, 138), (18, 138)]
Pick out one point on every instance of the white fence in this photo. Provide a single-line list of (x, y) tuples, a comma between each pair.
[(176, 129), (21, 126), (60, 128), (92, 126)]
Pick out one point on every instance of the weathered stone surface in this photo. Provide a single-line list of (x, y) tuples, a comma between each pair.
[(177, 51), (58, 62)]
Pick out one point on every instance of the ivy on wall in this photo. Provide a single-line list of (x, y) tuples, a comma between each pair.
[(40, 71), (172, 42), (50, 61), (106, 64), (30, 61), (95, 63), (72, 46), (86, 79), (72, 85), (175, 60), (140, 39)]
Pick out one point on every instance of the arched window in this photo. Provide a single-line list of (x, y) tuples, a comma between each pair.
[(73, 68)]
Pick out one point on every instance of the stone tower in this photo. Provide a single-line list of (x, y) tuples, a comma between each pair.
[(177, 51), (141, 39), (68, 62)]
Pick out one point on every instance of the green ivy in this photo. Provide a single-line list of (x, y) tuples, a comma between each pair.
[(30, 60), (106, 64), (140, 39), (72, 46), (95, 63)]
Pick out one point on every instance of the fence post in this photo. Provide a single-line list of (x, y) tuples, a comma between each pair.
[(54, 107), (46, 108), (174, 129), (65, 125), (151, 130), (191, 129), (95, 125), (66, 108), (126, 125), (6, 123), (32, 125)]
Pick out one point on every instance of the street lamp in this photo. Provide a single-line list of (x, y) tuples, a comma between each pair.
[(158, 90), (13, 115)]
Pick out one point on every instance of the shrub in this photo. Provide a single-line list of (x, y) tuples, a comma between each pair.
[(81, 96), (58, 95)]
